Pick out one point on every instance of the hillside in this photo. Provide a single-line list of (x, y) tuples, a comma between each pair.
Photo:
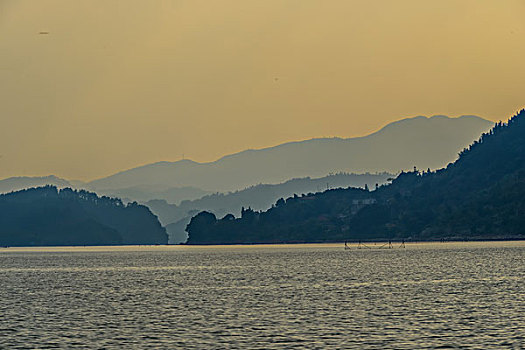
[(425, 142), (480, 196), (47, 216), (258, 197)]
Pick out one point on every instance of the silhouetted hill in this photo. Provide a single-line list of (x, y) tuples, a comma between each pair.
[(47, 216), (425, 142), (259, 197), (480, 196), (19, 183)]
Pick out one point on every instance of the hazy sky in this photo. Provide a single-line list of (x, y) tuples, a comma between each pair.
[(117, 84)]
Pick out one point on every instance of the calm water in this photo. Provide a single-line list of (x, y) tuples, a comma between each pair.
[(446, 295)]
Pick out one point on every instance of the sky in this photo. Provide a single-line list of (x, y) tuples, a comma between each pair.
[(117, 84)]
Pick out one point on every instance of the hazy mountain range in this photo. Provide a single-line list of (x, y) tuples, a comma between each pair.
[(188, 185), (22, 182), (144, 193), (141, 193), (420, 141), (259, 197), (175, 191), (262, 196)]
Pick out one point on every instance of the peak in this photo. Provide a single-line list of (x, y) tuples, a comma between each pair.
[(52, 177), (461, 117), (423, 120), (470, 116), (166, 163)]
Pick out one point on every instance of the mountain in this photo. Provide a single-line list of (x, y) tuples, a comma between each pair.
[(479, 196), (19, 183), (258, 197), (48, 216), (144, 193), (139, 193), (425, 142)]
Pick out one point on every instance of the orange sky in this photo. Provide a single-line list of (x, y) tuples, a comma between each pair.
[(117, 84)]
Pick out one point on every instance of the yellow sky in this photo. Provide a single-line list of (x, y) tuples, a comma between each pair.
[(117, 84)]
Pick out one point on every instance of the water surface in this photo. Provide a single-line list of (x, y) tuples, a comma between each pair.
[(433, 295)]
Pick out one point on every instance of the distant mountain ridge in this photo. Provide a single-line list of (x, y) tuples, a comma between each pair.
[(144, 193), (22, 182), (421, 141), (258, 197), (141, 193), (261, 196)]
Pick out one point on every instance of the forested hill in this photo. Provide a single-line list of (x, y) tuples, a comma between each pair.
[(47, 216), (480, 196)]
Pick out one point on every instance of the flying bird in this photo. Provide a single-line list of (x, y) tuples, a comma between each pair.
[(43, 33)]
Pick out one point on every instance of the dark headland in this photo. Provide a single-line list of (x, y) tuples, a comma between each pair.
[(46, 216), (479, 196)]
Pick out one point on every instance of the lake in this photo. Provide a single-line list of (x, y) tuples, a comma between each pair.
[(319, 296)]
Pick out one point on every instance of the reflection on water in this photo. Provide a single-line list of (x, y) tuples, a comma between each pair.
[(442, 295)]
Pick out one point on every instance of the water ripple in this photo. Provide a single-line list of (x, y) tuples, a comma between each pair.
[(462, 296)]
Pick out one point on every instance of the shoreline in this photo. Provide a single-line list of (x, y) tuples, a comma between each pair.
[(186, 247)]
